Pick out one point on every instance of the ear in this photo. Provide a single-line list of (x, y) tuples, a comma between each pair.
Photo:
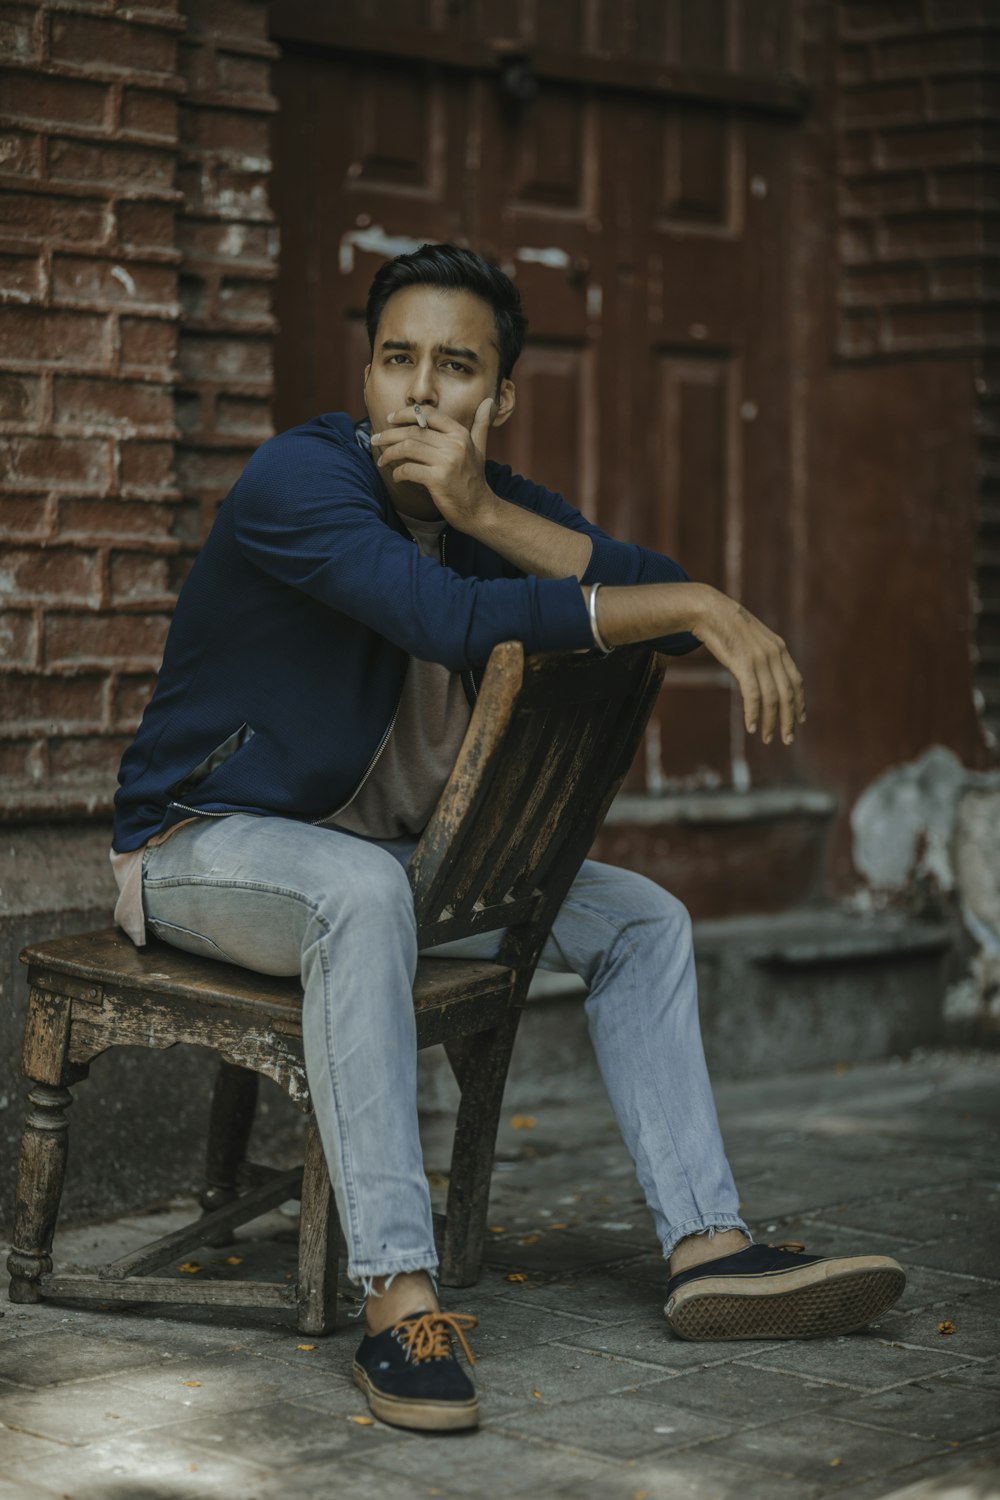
[(505, 403)]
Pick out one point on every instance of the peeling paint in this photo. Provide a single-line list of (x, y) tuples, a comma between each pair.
[(375, 241), (553, 257), (128, 282)]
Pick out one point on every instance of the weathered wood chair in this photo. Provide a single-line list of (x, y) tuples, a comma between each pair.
[(550, 739)]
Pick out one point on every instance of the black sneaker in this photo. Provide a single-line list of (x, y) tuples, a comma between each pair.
[(776, 1292), (411, 1376)]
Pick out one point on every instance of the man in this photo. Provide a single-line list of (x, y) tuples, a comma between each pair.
[(315, 689)]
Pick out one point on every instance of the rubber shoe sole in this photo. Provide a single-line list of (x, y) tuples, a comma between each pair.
[(812, 1302), (424, 1416)]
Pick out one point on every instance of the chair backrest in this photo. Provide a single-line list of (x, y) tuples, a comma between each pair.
[(549, 743)]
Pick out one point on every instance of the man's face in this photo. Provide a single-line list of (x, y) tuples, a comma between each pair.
[(437, 349)]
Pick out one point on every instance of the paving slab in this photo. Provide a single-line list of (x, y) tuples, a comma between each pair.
[(586, 1394)]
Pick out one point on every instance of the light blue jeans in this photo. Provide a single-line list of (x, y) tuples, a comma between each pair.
[(288, 898)]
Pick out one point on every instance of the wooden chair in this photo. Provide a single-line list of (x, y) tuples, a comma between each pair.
[(549, 741)]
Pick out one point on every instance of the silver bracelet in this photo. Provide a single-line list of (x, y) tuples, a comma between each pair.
[(599, 640)]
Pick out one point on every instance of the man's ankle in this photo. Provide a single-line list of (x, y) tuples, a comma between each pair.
[(407, 1293), (695, 1249)]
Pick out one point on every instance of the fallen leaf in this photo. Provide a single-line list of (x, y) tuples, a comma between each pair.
[(946, 1327), (523, 1122), (842, 1068), (529, 1239), (497, 1229), (835, 1463), (638, 1495), (305, 1346), (515, 1276), (558, 1226), (192, 1382), (537, 1395), (190, 1268), (234, 1260), (362, 1421)]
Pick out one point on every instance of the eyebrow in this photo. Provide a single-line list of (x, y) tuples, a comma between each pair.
[(454, 349)]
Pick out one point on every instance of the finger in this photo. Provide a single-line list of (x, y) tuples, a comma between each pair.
[(415, 473), (408, 448), (409, 433), (768, 699), (408, 416), (798, 686), (481, 425), (786, 700), (750, 690)]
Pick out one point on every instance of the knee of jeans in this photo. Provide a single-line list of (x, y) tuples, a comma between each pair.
[(376, 890)]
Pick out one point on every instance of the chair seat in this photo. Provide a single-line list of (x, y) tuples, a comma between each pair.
[(451, 996)]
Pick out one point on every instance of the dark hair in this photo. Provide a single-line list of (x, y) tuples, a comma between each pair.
[(454, 270)]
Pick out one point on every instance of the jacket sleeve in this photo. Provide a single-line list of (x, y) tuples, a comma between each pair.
[(611, 562), (309, 516)]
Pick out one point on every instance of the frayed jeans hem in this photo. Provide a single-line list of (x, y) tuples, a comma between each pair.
[(708, 1224), (363, 1273)]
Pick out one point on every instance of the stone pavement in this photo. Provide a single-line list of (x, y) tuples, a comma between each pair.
[(586, 1395)]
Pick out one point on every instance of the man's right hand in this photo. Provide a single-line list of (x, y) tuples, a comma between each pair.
[(769, 680)]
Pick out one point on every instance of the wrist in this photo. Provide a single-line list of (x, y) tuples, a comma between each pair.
[(705, 601)]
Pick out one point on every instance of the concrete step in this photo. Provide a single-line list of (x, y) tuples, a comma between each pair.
[(804, 989)]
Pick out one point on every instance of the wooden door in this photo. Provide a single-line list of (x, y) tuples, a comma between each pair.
[(629, 167)]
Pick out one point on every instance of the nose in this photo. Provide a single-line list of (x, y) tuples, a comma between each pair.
[(422, 388)]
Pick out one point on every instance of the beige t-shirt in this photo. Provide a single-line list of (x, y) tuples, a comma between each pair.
[(399, 794)]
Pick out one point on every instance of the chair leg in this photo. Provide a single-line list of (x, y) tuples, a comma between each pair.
[(480, 1064), (40, 1174), (234, 1103), (319, 1242)]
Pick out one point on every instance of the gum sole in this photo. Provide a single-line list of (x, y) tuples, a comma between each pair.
[(821, 1301), (422, 1416)]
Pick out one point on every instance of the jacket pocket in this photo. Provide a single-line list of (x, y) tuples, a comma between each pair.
[(212, 762)]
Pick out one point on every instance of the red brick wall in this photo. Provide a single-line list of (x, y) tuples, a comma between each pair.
[(918, 153), (135, 368)]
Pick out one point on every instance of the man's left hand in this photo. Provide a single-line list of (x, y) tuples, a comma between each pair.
[(444, 457)]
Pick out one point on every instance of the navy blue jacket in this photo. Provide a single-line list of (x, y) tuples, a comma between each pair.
[(289, 644)]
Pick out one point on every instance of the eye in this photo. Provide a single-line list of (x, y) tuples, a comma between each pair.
[(394, 358), (453, 364)]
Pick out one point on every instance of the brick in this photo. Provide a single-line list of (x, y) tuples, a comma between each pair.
[(931, 234), (20, 398), (228, 132), (194, 296), (50, 573), (137, 577), (115, 405), (73, 638), (121, 167), (874, 104), (855, 63), (148, 344), (145, 112), (858, 334), (225, 358), (146, 226), (130, 695), (116, 519), (244, 416), (877, 286), (242, 75), (59, 101), (857, 243), (210, 242), (19, 759), (967, 98), (56, 463), (20, 154), (209, 471), (20, 277), (53, 702), (869, 18), (77, 278), (926, 146), (20, 37), (960, 281), (67, 221), (242, 19), (147, 466), (931, 54), (188, 410), (856, 151), (225, 191), (932, 328), (86, 757), (38, 336), (244, 300), (196, 65), (966, 187), (27, 517), (17, 638), (883, 193), (112, 46)]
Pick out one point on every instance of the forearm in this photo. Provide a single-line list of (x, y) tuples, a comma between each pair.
[(647, 611), (533, 544)]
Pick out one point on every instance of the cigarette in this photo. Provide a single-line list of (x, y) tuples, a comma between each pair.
[(418, 412)]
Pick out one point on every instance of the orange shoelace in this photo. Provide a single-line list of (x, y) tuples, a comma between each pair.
[(428, 1336)]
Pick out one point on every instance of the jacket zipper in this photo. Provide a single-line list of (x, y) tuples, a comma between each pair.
[(368, 771), (467, 677)]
